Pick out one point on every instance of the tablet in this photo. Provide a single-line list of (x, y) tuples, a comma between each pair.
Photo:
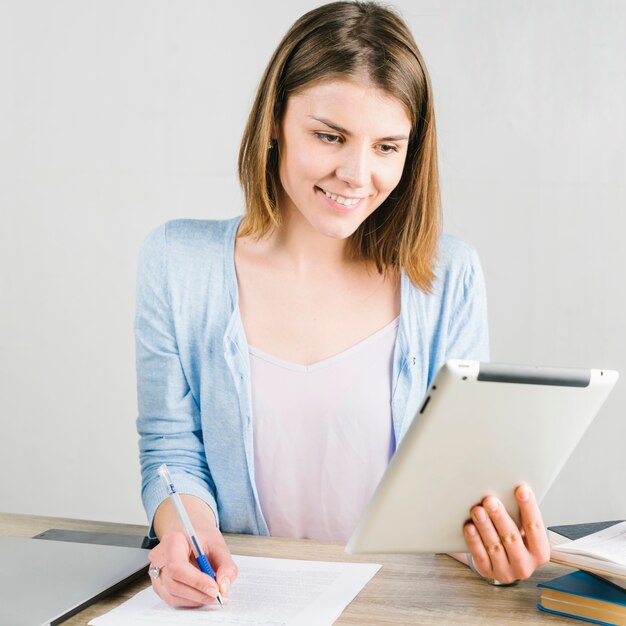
[(482, 429)]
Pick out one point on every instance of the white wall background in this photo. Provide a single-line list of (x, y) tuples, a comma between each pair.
[(117, 115)]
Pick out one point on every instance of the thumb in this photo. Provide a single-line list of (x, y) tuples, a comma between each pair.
[(224, 567)]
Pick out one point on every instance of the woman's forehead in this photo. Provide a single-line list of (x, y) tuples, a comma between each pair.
[(351, 104)]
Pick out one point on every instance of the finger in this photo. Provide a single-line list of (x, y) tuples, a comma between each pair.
[(520, 560), (506, 528), (226, 570), (481, 560), (491, 541), (535, 534), (222, 563), (188, 593), (172, 600), (190, 576)]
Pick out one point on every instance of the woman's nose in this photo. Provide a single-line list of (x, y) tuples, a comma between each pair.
[(355, 168)]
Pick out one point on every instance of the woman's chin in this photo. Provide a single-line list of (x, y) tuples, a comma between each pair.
[(335, 227), (337, 232)]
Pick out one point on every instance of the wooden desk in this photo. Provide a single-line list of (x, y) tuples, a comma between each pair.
[(416, 590)]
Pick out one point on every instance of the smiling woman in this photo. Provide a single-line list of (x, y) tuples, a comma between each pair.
[(281, 355)]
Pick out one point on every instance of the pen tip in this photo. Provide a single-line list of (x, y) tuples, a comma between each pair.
[(219, 599)]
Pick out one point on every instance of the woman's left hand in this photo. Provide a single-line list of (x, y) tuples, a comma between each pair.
[(500, 550)]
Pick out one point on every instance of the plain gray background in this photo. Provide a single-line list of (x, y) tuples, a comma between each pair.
[(117, 115)]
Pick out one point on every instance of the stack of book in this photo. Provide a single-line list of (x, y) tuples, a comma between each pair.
[(596, 593)]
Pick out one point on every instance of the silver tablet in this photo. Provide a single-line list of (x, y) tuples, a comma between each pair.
[(483, 429)]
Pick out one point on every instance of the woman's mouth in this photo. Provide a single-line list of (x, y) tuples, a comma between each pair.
[(339, 201)]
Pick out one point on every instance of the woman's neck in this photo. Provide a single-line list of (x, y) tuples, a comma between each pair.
[(305, 249)]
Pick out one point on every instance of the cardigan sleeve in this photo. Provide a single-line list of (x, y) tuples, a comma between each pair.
[(468, 331), (168, 422)]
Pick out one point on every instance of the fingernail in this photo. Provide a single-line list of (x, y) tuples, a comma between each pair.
[(522, 492), (225, 585), (479, 514), (471, 529), (210, 591), (491, 504)]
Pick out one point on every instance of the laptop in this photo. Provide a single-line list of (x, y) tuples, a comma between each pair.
[(44, 582), (482, 429)]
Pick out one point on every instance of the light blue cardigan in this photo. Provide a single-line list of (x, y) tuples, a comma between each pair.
[(193, 375)]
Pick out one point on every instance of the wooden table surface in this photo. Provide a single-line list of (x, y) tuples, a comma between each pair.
[(408, 589)]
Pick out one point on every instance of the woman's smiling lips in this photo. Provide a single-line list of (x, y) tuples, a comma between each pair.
[(338, 202)]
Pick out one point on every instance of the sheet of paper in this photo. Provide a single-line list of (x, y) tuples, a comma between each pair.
[(274, 592), (608, 544)]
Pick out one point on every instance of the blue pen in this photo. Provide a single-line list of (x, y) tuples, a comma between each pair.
[(201, 558)]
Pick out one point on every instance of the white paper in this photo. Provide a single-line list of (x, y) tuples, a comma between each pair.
[(273, 592), (607, 545)]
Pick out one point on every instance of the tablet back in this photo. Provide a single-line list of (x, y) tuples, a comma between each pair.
[(483, 429)]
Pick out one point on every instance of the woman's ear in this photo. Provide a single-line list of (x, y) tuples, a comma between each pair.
[(273, 136)]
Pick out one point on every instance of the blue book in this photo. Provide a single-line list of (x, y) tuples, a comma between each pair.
[(586, 597)]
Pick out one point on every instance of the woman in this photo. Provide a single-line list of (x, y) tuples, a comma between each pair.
[(280, 357)]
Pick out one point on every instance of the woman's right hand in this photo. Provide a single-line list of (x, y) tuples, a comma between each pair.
[(180, 582)]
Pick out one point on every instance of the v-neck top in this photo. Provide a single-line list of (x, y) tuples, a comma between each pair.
[(193, 364), (323, 436)]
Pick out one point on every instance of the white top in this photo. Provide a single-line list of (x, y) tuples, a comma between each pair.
[(323, 436)]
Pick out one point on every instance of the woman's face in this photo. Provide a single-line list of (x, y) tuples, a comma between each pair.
[(342, 150)]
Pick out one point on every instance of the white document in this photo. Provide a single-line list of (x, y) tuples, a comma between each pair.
[(607, 545), (274, 592)]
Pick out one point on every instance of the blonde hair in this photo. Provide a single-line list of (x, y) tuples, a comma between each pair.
[(347, 40)]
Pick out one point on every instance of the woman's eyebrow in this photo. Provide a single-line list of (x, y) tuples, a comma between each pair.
[(340, 129)]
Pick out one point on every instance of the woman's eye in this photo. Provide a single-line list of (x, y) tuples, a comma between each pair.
[(328, 138), (388, 148)]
